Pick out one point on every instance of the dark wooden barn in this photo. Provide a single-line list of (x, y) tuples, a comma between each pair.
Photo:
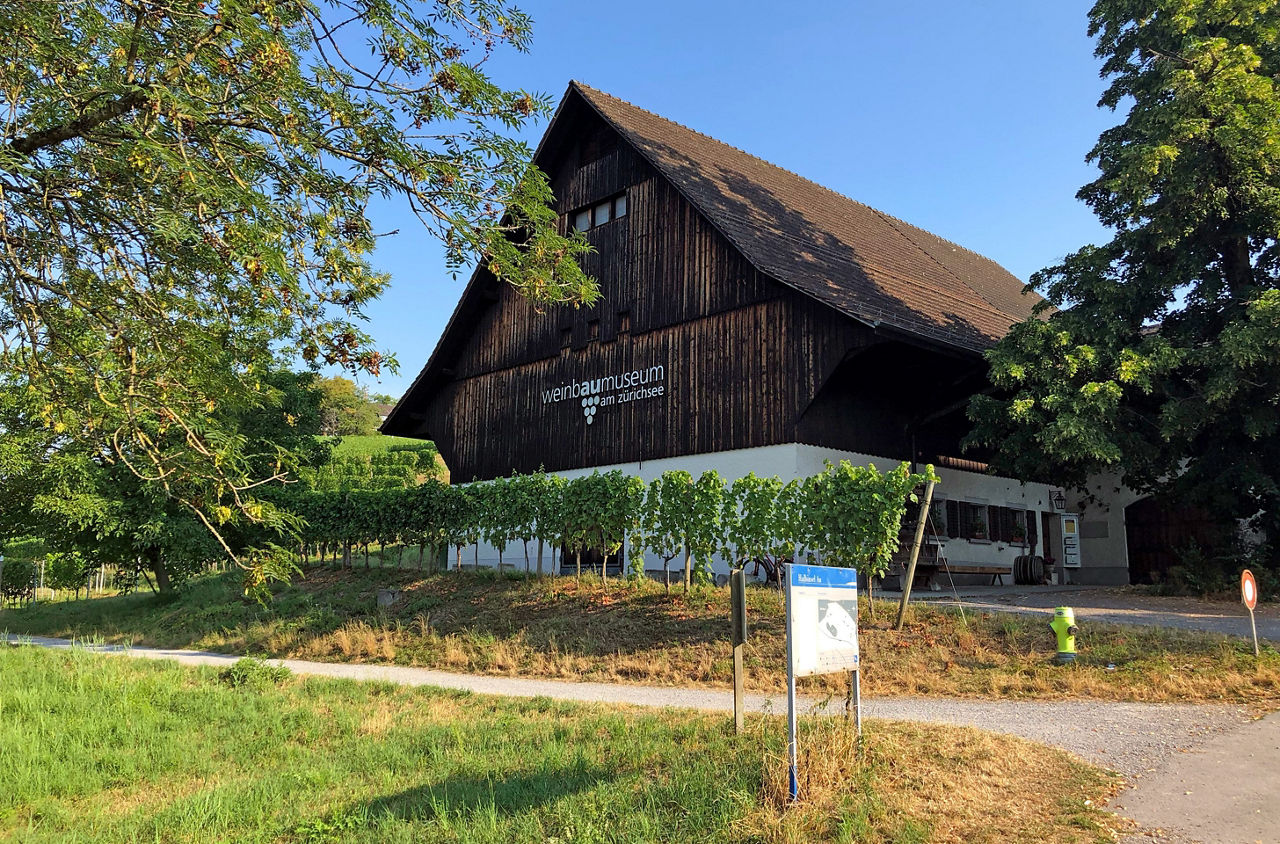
[(777, 311), (751, 320)]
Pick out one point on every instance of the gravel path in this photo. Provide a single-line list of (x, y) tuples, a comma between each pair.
[(1125, 607), (1224, 790), (1127, 737)]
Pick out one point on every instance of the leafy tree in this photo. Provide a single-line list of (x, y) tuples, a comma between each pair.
[(346, 409), (549, 519), (184, 190), (620, 513), (660, 530), (523, 492), (753, 525), (1163, 361), (856, 514), (703, 532), (98, 504), (67, 570)]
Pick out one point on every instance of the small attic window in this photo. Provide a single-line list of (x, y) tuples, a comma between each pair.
[(600, 213)]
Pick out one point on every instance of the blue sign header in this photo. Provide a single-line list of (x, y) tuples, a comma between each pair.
[(838, 578)]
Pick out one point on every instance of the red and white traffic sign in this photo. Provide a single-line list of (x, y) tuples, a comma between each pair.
[(1248, 589)]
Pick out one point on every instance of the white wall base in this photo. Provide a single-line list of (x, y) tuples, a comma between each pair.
[(796, 460)]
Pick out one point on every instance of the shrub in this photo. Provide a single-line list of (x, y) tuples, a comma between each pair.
[(254, 674)]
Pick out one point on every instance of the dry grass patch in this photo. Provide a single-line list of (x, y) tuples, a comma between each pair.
[(637, 633), (932, 783)]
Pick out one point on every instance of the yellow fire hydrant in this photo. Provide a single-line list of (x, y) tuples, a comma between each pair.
[(1064, 627)]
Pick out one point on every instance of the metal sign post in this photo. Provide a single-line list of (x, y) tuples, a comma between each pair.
[(794, 785), (822, 638), (1249, 595)]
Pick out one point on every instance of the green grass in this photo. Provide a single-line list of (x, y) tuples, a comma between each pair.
[(486, 623), (97, 748), (361, 446)]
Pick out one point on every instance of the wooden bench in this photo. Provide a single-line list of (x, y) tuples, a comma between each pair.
[(997, 572), (928, 569)]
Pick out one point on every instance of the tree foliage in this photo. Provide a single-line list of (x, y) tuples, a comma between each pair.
[(184, 192), (346, 409), (94, 503), (856, 513), (1163, 358), (753, 525)]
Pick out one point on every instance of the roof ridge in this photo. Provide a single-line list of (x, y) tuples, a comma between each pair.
[(896, 222), (753, 156)]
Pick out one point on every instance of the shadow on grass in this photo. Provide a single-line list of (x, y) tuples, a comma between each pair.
[(466, 797)]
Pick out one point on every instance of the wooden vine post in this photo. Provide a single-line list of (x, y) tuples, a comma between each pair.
[(909, 576)]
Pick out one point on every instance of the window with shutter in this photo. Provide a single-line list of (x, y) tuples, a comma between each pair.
[(953, 519)]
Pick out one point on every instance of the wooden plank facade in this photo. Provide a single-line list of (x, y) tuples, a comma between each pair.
[(728, 357)]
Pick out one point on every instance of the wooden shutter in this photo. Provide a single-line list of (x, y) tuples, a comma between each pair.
[(953, 519)]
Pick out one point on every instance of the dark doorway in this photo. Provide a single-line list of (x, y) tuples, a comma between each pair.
[(1158, 531)]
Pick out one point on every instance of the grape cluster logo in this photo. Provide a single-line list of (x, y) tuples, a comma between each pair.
[(589, 407)]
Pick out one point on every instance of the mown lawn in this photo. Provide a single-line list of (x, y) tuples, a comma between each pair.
[(99, 748), (482, 622)]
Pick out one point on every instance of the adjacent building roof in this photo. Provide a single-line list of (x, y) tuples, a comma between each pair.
[(860, 261)]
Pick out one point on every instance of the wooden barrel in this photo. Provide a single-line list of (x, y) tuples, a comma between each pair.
[(1028, 569)]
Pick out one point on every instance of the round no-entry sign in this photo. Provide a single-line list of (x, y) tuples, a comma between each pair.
[(1248, 589)]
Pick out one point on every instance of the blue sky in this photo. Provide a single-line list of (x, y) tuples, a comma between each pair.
[(969, 119)]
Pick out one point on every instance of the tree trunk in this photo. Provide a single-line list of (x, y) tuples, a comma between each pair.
[(666, 574), (458, 567), (688, 568), (475, 558), (163, 583), (871, 604), (421, 548), (579, 575), (539, 559), (604, 570), (366, 555), (526, 556), (346, 555)]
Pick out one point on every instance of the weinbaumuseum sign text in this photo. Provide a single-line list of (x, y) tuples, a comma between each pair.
[(610, 390)]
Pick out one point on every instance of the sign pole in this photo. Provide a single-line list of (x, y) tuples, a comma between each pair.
[(1254, 625), (738, 609), (857, 700), (793, 783)]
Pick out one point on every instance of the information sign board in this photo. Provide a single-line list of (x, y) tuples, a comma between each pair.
[(822, 638), (823, 619)]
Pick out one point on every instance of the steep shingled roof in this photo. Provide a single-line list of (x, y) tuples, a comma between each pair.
[(854, 258)]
